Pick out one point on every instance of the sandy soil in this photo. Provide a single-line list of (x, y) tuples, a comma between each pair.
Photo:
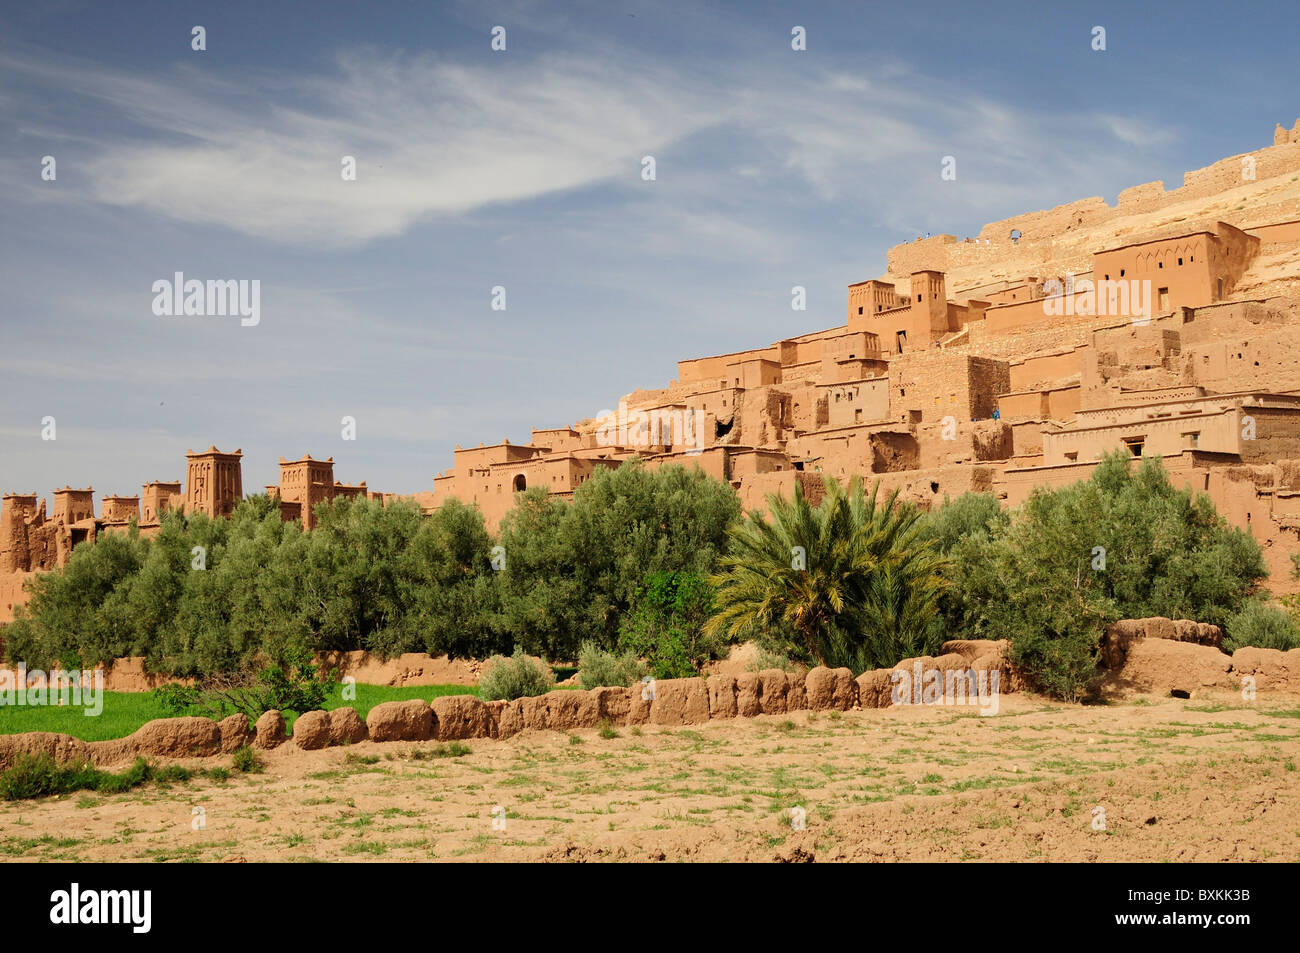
[(1178, 780)]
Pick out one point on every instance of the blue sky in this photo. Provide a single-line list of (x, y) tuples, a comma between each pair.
[(523, 169)]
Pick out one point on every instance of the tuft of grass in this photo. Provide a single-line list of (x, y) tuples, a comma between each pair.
[(246, 761), (1283, 713), (607, 729), (452, 749)]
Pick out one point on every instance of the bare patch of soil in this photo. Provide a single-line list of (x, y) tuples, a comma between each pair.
[(1176, 779)]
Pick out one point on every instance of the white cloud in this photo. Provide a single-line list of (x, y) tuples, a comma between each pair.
[(434, 138), (429, 138)]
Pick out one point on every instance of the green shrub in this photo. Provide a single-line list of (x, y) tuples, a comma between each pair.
[(177, 699), (963, 528), (1124, 544), (32, 776), (668, 626), (597, 667), (246, 760), (38, 776), (515, 677), (139, 772), (1261, 625)]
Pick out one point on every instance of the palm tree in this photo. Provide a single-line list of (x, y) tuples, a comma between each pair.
[(853, 581)]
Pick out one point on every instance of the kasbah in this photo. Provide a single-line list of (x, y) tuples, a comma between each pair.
[(999, 363)]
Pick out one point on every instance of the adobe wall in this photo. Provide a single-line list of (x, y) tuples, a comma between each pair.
[(1242, 346), (953, 440), (923, 254), (1277, 434), (1216, 432), (1162, 651), (1277, 234), (715, 462), (1047, 223), (753, 492), (557, 440), (715, 368), (836, 453), (940, 383), (668, 702), (928, 488), (1048, 403), (15, 512), (1046, 333), (1063, 402), (1189, 469), (1226, 174), (863, 401), (1143, 198)]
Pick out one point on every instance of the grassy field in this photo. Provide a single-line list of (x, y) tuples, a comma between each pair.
[(124, 712)]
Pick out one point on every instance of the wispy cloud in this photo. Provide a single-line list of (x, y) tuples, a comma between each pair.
[(438, 139)]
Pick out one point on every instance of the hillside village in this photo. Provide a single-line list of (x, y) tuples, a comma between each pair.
[(1166, 325)]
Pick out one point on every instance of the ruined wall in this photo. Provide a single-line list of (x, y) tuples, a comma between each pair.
[(892, 451), (1047, 223), (1222, 176), (924, 254), (929, 487), (1242, 346)]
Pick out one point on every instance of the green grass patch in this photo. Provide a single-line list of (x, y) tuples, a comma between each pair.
[(124, 712), (33, 776)]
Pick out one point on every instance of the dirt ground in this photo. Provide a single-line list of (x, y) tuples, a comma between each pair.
[(1177, 780)]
